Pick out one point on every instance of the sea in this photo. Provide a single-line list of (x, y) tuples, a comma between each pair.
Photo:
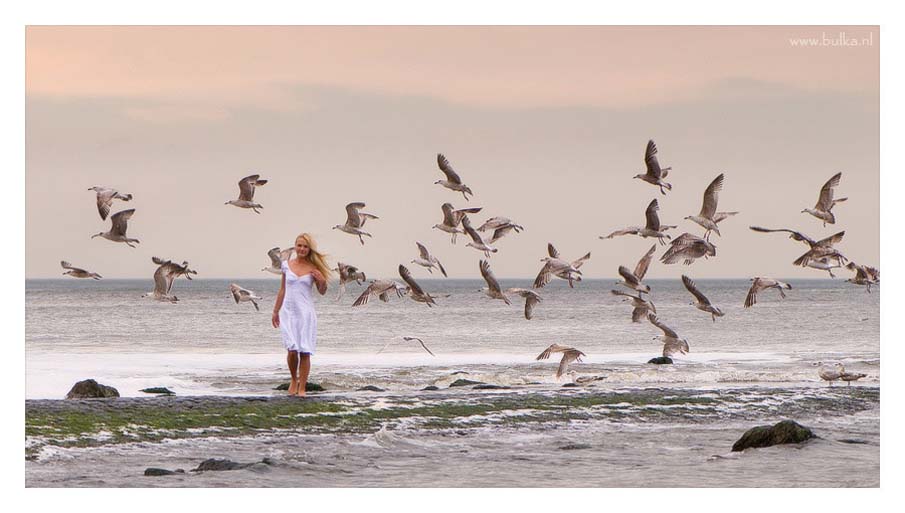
[(627, 423)]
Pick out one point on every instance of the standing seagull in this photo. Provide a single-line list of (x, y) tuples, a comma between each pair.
[(848, 377), (75, 272), (119, 223), (493, 287), (709, 217), (277, 256), (830, 374), (425, 259), (864, 275), (688, 248), (569, 355), (672, 344), (531, 299), (348, 273), (758, 284), (825, 203), (640, 307), (381, 289), (452, 218), (452, 182), (555, 266), (247, 193), (105, 197), (415, 290), (355, 220), (654, 174), (408, 339), (240, 294), (652, 228), (477, 241), (631, 279), (701, 303)]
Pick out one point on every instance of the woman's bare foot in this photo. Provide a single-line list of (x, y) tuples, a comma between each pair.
[(293, 387)]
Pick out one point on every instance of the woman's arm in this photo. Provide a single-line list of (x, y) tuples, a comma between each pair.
[(320, 281), (275, 319)]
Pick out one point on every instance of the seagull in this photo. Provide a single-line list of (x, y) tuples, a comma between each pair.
[(688, 248), (75, 272), (355, 220), (277, 256), (105, 197), (641, 307), (500, 226), (240, 294), (824, 264), (709, 217), (558, 267), (825, 203), (864, 275), (408, 339), (822, 248), (653, 228), (758, 284), (348, 273), (452, 182), (654, 174), (672, 344), (848, 377), (452, 218), (830, 374), (381, 289), (569, 355), (415, 290), (631, 279), (118, 227), (425, 259), (701, 303), (531, 299), (493, 287), (476, 241), (247, 193), (166, 272)]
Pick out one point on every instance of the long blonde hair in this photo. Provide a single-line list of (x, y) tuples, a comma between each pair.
[(317, 259)]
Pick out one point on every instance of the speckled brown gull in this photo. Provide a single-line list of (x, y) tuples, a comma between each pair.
[(652, 228), (830, 374), (476, 241), (105, 197), (452, 182), (167, 271), (672, 344), (707, 217), (640, 307), (825, 202), (247, 193), (864, 275), (75, 272), (555, 266), (415, 290), (701, 302), (531, 299), (426, 260), (759, 284), (119, 224), (381, 289), (355, 220), (569, 355), (493, 286), (822, 248), (632, 279), (452, 218), (500, 226), (687, 248), (241, 295), (348, 273), (654, 174), (277, 256)]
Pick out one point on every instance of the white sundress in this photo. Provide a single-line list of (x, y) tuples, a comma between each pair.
[(298, 321)]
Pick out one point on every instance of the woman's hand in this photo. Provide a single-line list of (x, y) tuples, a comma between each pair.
[(317, 276), (275, 320)]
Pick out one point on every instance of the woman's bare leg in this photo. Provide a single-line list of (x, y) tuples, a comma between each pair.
[(292, 359), (304, 370)]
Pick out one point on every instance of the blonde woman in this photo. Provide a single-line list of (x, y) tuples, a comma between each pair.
[(293, 312)]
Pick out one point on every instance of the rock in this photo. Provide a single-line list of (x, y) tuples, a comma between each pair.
[(370, 388), (461, 382), (785, 432), (151, 471), (157, 390), (489, 386), (214, 464), (853, 441), (309, 387), (90, 389), (570, 385), (660, 360), (574, 447), (430, 387)]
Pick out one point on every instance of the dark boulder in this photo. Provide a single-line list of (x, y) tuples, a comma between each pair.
[(570, 385), (90, 389), (214, 464), (157, 390), (430, 387), (660, 360), (574, 447), (785, 432), (151, 471), (370, 388), (309, 387), (462, 382), (490, 386)]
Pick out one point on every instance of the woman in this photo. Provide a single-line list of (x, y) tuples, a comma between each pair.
[(293, 311)]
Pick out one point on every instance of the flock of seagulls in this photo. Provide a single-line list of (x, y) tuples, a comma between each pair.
[(685, 248)]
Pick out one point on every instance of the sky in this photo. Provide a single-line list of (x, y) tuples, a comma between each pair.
[(547, 125)]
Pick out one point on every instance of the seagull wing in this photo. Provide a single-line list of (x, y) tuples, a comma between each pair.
[(708, 209), (653, 220), (650, 159), (631, 230), (831, 240), (751, 298), (569, 356), (409, 339), (363, 298), (552, 251), (628, 276), (423, 250), (531, 301), (644, 263), (689, 284), (275, 260), (492, 283), (407, 278), (578, 263), (449, 218), (120, 220), (448, 170), (554, 348), (475, 236), (353, 217), (794, 235), (247, 187), (666, 329), (825, 202), (162, 281), (104, 201), (236, 291), (544, 276)]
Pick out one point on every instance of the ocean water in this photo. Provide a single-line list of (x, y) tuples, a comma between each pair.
[(752, 366)]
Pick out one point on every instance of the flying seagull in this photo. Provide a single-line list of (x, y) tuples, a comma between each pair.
[(555, 266), (348, 273), (408, 339), (452, 218), (477, 241), (864, 275), (277, 256), (493, 287), (500, 226), (415, 290), (569, 355), (701, 301), (688, 248), (672, 344), (759, 284), (75, 272), (709, 217), (355, 220), (105, 197), (652, 228), (531, 299), (247, 193), (381, 289), (825, 203), (425, 259), (452, 182), (164, 276), (240, 294), (640, 307), (632, 279), (119, 223), (819, 249), (825, 264), (654, 175)]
